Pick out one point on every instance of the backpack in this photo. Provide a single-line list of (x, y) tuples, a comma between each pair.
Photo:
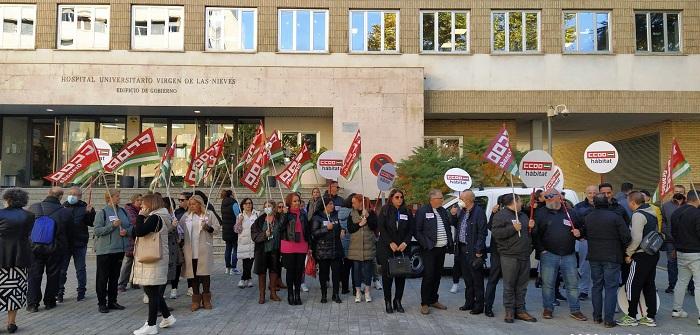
[(44, 233), (652, 240)]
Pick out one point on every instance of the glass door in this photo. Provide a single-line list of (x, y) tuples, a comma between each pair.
[(43, 150), (14, 158)]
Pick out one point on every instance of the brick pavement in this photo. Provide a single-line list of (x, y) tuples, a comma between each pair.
[(236, 311)]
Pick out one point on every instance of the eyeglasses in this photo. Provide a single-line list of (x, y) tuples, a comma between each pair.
[(551, 196)]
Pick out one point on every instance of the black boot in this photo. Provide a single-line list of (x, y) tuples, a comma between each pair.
[(488, 311), (389, 309), (398, 307), (336, 298), (324, 295), (290, 298), (297, 295)]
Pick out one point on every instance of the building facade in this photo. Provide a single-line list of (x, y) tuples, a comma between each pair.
[(407, 73)]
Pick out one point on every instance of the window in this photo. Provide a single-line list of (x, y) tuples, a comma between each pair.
[(444, 31), (294, 139), (586, 32), (303, 30), (83, 27), (150, 31), (451, 145), (658, 31), (515, 31), (231, 29), (374, 31), (18, 26)]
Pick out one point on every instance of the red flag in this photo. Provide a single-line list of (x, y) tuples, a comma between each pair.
[(81, 165), (289, 177), (251, 177), (500, 153), (191, 174), (666, 184), (258, 140), (141, 150), (352, 161), (215, 152)]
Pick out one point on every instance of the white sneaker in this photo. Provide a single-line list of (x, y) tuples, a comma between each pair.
[(378, 284), (173, 294), (358, 296), (679, 314), (241, 283), (165, 323), (146, 330), (304, 287), (227, 271), (236, 272), (189, 292), (455, 288), (249, 283), (368, 297), (145, 298)]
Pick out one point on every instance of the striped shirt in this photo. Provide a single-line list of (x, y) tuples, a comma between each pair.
[(441, 233)]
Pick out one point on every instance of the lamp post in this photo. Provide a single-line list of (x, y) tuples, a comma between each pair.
[(554, 111)]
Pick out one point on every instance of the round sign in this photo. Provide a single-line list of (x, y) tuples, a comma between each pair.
[(601, 157), (378, 162), (329, 164), (458, 179), (104, 150), (386, 177), (536, 168), (556, 181)]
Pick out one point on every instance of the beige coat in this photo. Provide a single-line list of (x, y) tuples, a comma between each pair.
[(205, 262), (155, 273)]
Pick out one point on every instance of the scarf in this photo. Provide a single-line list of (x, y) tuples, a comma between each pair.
[(297, 214)]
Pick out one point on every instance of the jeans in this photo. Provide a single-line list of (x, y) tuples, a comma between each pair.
[(156, 303), (52, 265), (688, 266), (108, 267), (230, 256), (78, 254), (671, 265), (551, 264), (346, 274), (362, 272), (584, 267), (605, 277), (433, 262), (125, 272)]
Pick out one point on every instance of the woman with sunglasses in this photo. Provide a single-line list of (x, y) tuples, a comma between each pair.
[(296, 234), (246, 246), (265, 234), (395, 232)]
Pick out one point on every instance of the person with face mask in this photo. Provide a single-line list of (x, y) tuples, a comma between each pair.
[(555, 241), (265, 232), (83, 216), (471, 245)]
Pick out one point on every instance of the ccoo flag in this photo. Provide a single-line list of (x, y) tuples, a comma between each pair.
[(165, 167), (291, 175), (141, 150), (82, 165), (249, 153), (676, 167), (500, 153), (352, 161)]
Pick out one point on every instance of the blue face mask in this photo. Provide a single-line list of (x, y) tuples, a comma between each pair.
[(72, 199)]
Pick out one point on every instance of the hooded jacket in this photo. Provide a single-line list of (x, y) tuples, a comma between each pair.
[(643, 221)]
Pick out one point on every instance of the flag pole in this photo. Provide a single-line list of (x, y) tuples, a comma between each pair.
[(111, 201), (362, 181), (278, 184), (322, 201), (513, 191), (231, 173)]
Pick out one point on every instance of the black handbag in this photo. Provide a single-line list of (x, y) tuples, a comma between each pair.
[(402, 266)]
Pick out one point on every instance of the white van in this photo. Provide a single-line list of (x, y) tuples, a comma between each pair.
[(487, 198)]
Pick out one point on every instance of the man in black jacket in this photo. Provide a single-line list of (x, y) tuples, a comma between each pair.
[(434, 235), (584, 268), (83, 215), (686, 240), (512, 231), (470, 228), (48, 260), (607, 190), (607, 236), (555, 242)]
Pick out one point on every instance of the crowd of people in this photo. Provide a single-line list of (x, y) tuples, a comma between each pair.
[(592, 248)]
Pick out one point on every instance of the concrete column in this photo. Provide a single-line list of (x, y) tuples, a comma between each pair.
[(133, 128), (536, 140)]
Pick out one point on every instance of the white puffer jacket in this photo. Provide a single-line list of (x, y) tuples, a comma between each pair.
[(246, 246), (155, 273)]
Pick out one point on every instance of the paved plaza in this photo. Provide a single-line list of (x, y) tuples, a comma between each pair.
[(236, 311)]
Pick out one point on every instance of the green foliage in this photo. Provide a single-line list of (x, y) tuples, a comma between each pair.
[(425, 169)]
